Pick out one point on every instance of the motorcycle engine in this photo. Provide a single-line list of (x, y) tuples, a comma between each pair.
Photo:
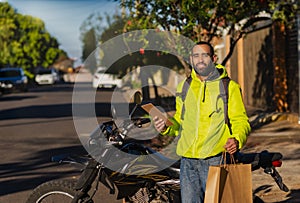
[(155, 195), (141, 196)]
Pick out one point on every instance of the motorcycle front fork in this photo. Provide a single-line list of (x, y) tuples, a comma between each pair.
[(84, 184)]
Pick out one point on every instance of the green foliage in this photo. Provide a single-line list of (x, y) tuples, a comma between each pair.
[(89, 41), (207, 19), (284, 11), (24, 41), (90, 32), (98, 29), (116, 26)]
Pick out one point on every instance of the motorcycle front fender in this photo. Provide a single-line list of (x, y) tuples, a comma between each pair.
[(88, 176)]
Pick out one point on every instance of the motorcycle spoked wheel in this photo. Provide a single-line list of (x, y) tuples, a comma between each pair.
[(53, 191)]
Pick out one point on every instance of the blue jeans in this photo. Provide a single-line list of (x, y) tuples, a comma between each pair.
[(193, 175)]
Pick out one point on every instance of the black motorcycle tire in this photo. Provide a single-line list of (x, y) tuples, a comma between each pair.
[(53, 191)]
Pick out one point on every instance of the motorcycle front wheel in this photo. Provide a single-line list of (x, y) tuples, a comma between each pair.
[(53, 191)]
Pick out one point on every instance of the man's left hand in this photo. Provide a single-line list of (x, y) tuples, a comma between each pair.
[(232, 145)]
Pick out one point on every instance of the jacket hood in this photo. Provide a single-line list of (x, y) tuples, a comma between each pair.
[(219, 73)]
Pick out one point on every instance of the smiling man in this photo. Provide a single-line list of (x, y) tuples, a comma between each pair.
[(208, 124)]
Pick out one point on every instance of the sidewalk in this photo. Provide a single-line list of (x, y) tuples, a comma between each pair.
[(280, 135)]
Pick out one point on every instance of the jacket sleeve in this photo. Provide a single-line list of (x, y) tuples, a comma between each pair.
[(237, 114), (176, 119)]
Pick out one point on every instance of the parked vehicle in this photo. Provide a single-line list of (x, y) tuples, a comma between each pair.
[(5, 87), (102, 79), (16, 77), (132, 172), (46, 76)]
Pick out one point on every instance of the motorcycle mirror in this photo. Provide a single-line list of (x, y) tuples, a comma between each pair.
[(138, 97)]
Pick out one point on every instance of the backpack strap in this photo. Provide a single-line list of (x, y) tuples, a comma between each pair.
[(224, 94), (183, 93)]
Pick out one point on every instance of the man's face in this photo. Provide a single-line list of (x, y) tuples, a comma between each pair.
[(201, 60)]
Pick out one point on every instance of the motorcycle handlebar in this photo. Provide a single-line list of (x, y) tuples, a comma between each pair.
[(116, 135), (266, 160), (263, 159)]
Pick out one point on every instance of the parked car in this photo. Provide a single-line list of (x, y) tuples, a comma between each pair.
[(14, 79), (5, 87), (102, 79), (46, 76)]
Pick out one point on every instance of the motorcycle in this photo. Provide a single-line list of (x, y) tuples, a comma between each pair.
[(140, 173)]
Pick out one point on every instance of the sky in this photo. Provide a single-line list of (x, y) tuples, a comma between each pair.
[(63, 18)]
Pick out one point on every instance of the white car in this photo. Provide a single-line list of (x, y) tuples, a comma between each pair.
[(101, 79), (46, 77)]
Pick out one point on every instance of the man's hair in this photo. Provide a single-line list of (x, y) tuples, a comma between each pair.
[(212, 51)]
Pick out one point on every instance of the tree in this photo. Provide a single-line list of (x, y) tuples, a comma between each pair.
[(207, 20), (96, 29), (90, 31), (204, 20), (7, 29), (90, 44), (24, 41), (115, 41)]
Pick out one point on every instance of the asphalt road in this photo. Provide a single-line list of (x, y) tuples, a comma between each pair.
[(35, 126)]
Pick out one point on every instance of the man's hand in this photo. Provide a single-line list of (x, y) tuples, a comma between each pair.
[(232, 145), (159, 124)]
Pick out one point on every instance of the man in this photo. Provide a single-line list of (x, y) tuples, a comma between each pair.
[(204, 135)]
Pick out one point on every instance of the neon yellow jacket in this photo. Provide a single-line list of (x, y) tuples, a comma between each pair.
[(202, 129)]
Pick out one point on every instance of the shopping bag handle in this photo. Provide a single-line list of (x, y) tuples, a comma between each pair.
[(232, 160)]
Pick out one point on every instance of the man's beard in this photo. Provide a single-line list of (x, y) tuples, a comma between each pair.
[(205, 71)]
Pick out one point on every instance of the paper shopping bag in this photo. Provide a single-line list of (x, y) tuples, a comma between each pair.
[(232, 186), (238, 186), (215, 184)]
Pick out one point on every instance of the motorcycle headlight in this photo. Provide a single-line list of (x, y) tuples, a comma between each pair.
[(92, 142)]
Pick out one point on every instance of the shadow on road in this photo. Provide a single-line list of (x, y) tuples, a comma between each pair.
[(55, 111), (16, 97), (27, 174), (292, 195)]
